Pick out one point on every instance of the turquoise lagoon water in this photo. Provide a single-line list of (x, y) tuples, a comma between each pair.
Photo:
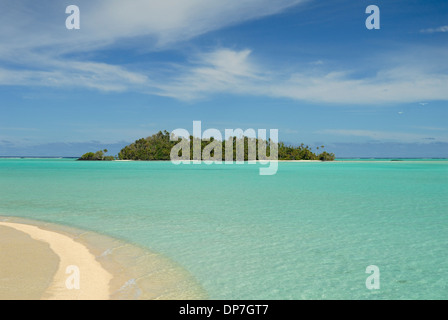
[(308, 232)]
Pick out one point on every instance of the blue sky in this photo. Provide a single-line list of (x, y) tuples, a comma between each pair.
[(310, 69)]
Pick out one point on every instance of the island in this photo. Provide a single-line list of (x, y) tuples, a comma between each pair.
[(97, 156), (159, 146)]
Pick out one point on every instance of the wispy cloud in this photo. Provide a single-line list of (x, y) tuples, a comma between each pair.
[(236, 72), (385, 135), (41, 25), (430, 128), (228, 71), (37, 50), (220, 71), (435, 30), (93, 75)]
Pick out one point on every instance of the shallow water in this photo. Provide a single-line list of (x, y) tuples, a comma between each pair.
[(137, 273), (308, 232)]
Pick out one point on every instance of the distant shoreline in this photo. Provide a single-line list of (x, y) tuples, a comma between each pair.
[(337, 159)]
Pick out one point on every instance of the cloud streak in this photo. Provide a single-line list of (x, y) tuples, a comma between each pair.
[(41, 25), (92, 75), (385, 135), (37, 50), (435, 30), (36, 46), (227, 71), (235, 72)]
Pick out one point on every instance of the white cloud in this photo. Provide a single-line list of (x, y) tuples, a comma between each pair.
[(317, 63), (430, 128), (227, 71), (387, 86), (435, 30), (35, 42), (222, 70), (236, 72), (174, 20), (31, 24), (91, 75), (36, 46)]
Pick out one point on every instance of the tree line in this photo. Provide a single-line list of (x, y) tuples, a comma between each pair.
[(159, 147)]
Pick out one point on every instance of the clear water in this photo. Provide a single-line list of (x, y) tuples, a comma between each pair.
[(308, 232)]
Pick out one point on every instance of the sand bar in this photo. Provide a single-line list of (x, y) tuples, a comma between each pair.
[(93, 278), (19, 276), (35, 255)]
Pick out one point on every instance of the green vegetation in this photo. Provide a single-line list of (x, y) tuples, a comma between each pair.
[(302, 152), (97, 156), (155, 147), (158, 147)]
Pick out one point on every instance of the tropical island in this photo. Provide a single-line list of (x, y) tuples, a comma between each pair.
[(158, 147), (97, 156)]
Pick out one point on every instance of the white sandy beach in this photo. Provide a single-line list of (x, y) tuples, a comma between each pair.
[(37, 260), (94, 279)]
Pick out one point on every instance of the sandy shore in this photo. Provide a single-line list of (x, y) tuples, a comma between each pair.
[(20, 278), (40, 260), (51, 253)]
